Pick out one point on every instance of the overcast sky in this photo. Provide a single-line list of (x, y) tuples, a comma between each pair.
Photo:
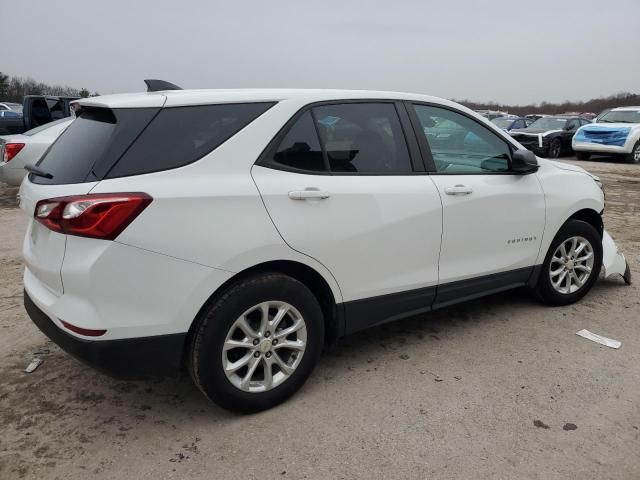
[(515, 51)]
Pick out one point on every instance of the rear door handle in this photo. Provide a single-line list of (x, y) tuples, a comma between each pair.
[(308, 193), (458, 190)]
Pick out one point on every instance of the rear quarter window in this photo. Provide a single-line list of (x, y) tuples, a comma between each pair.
[(178, 136), (109, 143)]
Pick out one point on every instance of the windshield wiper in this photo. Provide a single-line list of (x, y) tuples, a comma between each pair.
[(38, 172)]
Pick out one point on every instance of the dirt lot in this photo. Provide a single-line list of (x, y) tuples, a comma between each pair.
[(496, 388)]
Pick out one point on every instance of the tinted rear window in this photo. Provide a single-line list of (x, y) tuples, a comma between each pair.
[(92, 144), (103, 143), (181, 135)]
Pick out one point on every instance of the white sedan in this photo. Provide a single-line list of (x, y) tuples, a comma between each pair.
[(16, 151)]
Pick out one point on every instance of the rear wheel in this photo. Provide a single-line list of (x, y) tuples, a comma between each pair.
[(572, 264), (256, 345), (634, 156), (555, 148), (583, 155)]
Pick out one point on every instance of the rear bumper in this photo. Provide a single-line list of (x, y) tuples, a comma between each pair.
[(11, 176), (138, 357)]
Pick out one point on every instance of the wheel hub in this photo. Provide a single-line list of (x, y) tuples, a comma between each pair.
[(265, 345)]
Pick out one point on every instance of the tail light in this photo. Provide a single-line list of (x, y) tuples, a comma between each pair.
[(11, 150), (102, 216)]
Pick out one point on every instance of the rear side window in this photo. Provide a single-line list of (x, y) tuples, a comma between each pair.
[(300, 148), (357, 138), (179, 136), (363, 138)]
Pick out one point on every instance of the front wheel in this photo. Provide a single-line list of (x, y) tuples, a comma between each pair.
[(634, 156), (555, 148), (256, 345), (572, 264)]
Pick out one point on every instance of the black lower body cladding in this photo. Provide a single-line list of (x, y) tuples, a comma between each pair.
[(143, 357)]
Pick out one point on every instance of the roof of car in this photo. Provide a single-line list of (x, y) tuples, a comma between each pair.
[(622, 109), (200, 97)]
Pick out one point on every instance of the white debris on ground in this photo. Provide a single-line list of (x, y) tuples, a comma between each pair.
[(35, 363), (607, 342)]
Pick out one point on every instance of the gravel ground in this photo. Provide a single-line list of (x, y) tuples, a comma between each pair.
[(496, 388)]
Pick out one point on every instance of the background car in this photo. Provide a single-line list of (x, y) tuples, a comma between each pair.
[(491, 114), (510, 122), (16, 151), (616, 132), (36, 110), (16, 107), (550, 136)]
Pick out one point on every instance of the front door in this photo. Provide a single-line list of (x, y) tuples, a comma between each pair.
[(493, 219)]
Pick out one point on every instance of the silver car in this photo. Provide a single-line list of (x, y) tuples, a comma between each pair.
[(16, 151)]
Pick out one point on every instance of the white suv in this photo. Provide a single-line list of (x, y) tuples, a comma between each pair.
[(233, 232)]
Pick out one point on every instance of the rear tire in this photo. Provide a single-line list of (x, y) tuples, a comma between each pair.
[(232, 330), (583, 155), (563, 279), (634, 156)]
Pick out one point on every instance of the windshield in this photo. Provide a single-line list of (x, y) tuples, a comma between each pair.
[(621, 116), (46, 126), (549, 123), (503, 122)]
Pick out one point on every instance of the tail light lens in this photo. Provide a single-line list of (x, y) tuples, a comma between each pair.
[(11, 150), (102, 216)]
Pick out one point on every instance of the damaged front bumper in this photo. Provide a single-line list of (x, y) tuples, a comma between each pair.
[(613, 261)]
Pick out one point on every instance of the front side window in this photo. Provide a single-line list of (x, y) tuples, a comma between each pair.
[(363, 138), (461, 145)]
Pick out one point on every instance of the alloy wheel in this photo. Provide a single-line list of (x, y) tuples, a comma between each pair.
[(571, 265), (264, 346)]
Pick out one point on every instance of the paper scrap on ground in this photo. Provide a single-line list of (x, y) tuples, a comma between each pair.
[(35, 363), (608, 342)]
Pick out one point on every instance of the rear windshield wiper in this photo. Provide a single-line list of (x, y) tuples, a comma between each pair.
[(38, 172)]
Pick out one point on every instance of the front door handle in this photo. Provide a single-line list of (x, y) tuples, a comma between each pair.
[(308, 193), (458, 190)]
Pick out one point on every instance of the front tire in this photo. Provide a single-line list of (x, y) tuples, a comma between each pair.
[(583, 155), (555, 148), (571, 266), (634, 156), (257, 343)]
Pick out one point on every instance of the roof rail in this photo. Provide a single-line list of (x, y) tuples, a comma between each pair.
[(159, 85)]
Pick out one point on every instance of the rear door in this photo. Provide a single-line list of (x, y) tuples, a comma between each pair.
[(493, 218), (340, 185)]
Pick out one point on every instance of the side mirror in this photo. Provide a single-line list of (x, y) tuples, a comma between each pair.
[(524, 161)]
